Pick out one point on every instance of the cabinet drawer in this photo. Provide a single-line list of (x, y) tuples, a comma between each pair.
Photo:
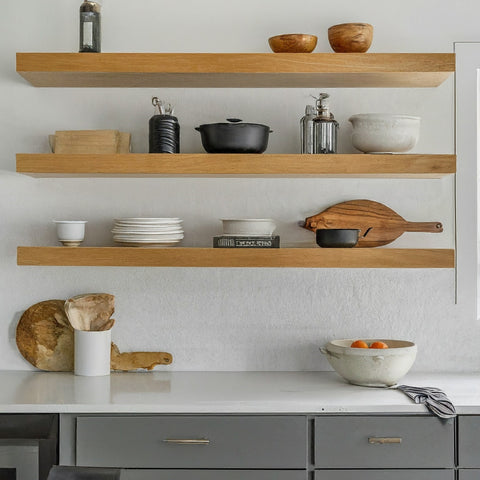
[(473, 474), (162, 441), (354, 442), (217, 475), (385, 475), (469, 441)]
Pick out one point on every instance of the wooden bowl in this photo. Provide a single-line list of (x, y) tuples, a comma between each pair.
[(350, 37), (293, 43)]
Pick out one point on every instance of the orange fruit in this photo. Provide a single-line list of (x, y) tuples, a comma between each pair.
[(378, 345), (359, 344)]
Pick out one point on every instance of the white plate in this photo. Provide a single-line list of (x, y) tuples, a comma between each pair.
[(138, 238), (136, 226), (147, 240), (142, 232), (148, 225), (148, 245), (137, 243), (153, 235), (147, 221), (149, 229)]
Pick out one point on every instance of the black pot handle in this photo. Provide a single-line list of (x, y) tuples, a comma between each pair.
[(233, 120), (197, 129)]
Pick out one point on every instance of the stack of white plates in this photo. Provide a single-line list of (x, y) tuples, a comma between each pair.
[(147, 232)]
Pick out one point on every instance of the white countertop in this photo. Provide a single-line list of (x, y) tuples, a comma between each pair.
[(221, 392)]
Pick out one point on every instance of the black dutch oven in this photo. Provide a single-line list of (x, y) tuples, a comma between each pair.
[(234, 137)]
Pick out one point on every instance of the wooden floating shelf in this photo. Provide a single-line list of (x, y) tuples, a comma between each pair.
[(224, 165), (219, 257), (233, 70)]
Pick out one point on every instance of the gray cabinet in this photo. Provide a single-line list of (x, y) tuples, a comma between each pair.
[(469, 447), (264, 447), (383, 442), (196, 442), (217, 475), (28, 445), (471, 474), (469, 441), (384, 447), (430, 474)]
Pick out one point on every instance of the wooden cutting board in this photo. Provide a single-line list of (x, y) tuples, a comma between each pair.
[(86, 141), (386, 225), (45, 339), (123, 145)]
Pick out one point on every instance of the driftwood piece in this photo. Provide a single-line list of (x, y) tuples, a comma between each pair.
[(90, 311), (45, 339), (137, 360)]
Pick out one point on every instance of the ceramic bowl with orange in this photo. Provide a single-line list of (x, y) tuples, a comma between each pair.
[(371, 367)]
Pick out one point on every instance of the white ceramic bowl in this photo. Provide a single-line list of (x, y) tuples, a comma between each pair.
[(70, 232), (371, 367), (384, 132), (248, 226)]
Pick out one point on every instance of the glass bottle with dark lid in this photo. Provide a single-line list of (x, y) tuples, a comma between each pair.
[(307, 129), (90, 27)]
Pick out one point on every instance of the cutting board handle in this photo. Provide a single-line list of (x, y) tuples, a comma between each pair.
[(137, 360), (430, 227)]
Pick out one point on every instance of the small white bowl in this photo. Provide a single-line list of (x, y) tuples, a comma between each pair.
[(371, 367), (384, 132), (248, 226), (70, 233)]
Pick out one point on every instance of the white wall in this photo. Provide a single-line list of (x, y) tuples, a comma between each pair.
[(230, 319)]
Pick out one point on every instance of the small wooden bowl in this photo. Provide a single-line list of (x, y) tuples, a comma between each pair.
[(350, 37), (293, 43)]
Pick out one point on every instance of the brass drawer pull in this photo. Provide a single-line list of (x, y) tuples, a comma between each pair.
[(384, 440), (188, 441)]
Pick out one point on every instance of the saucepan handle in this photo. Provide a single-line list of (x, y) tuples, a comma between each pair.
[(366, 232)]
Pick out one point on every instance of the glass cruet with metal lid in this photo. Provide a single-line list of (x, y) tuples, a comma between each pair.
[(307, 129), (325, 127)]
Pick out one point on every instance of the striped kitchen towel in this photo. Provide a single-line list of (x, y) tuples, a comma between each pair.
[(433, 398)]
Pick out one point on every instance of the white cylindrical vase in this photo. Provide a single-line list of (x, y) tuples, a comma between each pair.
[(92, 352)]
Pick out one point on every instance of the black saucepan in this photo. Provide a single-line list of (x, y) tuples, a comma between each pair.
[(338, 237), (234, 137)]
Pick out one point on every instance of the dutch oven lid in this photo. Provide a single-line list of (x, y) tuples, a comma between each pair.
[(233, 122)]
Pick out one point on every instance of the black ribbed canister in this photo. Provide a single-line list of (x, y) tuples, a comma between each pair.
[(164, 134)]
